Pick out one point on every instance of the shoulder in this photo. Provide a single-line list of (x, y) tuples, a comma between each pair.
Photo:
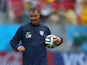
[(24, 26), (46, 29), (44, 26)]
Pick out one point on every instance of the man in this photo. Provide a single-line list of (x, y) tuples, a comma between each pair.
[(33, 36)]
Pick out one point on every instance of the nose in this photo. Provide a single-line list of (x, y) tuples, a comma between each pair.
[(33, 17)]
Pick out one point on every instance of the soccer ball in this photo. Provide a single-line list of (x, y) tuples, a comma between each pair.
[(49, 41)]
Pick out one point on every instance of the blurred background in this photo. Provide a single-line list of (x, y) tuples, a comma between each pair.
[(65, 18)]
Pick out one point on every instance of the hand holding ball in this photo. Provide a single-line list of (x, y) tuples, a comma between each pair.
[(53, 41), (57, 40)]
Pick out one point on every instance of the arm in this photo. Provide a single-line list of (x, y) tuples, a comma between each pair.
[(48, 31), (17, 37)]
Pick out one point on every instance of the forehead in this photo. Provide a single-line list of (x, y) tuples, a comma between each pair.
[(34, 12)]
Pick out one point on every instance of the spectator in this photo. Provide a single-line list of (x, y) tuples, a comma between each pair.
[(71, 17)]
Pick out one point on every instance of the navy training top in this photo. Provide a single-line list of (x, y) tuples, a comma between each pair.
[(33, 39)]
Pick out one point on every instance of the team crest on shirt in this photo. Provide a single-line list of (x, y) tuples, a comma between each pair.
[(28, 34), (41, 33)]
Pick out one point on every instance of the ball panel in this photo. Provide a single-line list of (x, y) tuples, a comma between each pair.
[(49, 41)]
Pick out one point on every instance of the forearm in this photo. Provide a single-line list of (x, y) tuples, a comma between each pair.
[(14, 45), (16, 39)]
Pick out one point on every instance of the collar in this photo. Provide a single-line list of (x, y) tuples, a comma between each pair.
[(34, 25)]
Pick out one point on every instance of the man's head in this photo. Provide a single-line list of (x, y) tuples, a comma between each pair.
[(34, 15)]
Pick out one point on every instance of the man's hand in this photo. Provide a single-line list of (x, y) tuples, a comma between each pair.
[(57, 40), (21, 48)]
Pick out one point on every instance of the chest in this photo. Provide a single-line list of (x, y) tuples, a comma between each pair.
[(36, 34)]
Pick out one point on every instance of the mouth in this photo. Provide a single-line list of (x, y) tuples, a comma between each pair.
[(33, 20)]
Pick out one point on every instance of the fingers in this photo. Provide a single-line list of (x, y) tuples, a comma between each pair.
[(21, 48), (57, 40)]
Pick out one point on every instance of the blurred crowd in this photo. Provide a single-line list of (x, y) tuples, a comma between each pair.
[(17, 11), (58, 15)]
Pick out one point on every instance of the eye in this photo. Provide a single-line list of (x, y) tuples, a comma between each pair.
[(31, 16)]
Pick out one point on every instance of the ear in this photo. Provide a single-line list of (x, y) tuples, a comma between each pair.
[(39, 15)]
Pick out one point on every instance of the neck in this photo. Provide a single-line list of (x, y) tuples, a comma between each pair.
[(34, 24)]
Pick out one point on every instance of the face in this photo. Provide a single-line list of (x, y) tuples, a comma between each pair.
[(34, 17)]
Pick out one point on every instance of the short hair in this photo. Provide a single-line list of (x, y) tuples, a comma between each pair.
[(34, 9)]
